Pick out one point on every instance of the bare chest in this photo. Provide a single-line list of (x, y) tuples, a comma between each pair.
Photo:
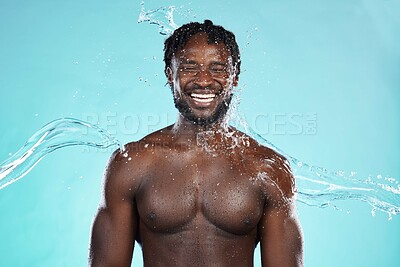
[(181, 195)]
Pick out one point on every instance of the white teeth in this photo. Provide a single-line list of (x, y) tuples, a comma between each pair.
[(204, 96), (203, 100)]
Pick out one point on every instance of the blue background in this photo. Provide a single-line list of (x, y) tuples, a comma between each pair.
[(336, 60)]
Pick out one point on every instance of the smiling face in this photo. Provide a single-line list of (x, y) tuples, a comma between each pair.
[(202, 77)]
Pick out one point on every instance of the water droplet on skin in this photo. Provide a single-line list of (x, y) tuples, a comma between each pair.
[(125, 154), (129, 158)]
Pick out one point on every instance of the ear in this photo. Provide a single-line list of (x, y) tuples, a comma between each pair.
[(170, 76)]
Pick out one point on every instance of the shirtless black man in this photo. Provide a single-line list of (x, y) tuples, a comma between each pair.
[(198, 192)]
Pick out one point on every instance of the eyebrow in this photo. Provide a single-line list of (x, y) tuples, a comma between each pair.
[(219, 63), (188, 61)]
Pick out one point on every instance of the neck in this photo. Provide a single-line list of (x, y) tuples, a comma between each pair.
[(216, 138), (189, 130)]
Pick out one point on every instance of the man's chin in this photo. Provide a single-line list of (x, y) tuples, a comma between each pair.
[(200, 120), (203, 121), (207, 119)]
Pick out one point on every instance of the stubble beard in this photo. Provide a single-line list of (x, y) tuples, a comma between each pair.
[(188, 113)]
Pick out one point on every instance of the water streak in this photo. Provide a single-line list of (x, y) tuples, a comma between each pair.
[(316, 186), (54, 135), (320, 187)]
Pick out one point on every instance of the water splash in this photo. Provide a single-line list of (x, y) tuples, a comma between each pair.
[(164, 18), (54, 135), (316, 186), (157, 17), (320, 187)]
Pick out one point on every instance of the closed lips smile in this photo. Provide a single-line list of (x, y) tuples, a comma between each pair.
[(203, 98)]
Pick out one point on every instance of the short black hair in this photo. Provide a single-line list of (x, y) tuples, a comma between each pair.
[(215, 34)]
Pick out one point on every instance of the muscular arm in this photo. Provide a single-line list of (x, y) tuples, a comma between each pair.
[(279, 230), (115, 225)]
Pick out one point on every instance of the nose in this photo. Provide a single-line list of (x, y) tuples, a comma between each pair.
[(203, 78)]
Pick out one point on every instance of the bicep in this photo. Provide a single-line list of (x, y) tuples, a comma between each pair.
[(112, 239), (114, 227), (280, 236)]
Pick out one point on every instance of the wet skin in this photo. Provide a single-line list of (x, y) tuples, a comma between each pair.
[(197, 195)]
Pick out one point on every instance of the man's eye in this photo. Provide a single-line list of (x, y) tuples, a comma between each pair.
[(189, 68), (218, 69)]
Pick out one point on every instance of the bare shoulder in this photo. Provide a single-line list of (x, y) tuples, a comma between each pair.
[(127, 167), (142, 148), (274, 166)]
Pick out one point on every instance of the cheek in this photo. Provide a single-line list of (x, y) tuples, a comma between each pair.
[(224, 82), (183, 81), (179, 86)]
